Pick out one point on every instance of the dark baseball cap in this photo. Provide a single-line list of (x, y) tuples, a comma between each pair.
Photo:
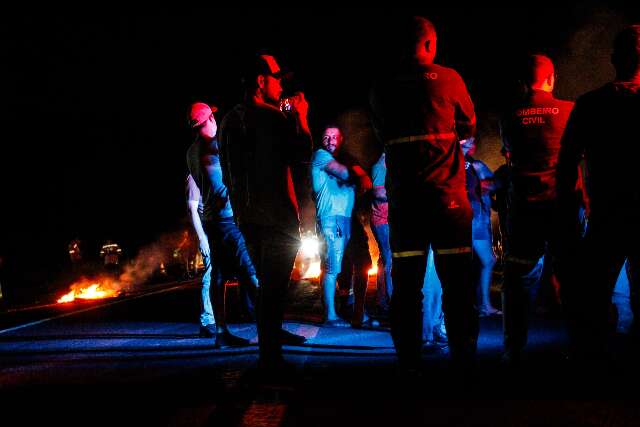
[(200, 113), (264, 65)]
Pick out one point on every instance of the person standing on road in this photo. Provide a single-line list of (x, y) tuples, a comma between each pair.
[(603, 127), (334, 194), (221, 242), (531, 133), (262, 150), (421, 113)]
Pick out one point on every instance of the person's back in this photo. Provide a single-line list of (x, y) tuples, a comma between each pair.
[(603, 129), (432, 101), (606, 120), (420, 114), (531, 133)]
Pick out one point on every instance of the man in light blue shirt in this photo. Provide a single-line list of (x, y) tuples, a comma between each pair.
[(334, 195)]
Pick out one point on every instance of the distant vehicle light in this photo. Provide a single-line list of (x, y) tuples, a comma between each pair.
[(310, 246)]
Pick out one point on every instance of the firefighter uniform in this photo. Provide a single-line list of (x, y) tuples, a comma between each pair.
[(604, 129), (421, 113), (531, 135)]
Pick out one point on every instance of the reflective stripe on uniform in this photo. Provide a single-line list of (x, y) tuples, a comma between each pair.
[(453, 251), (426, 137), (407, 254), (523, 261)]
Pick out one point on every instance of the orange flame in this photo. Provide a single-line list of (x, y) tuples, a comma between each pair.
[(87, 290), (373, 270), (313, 272)]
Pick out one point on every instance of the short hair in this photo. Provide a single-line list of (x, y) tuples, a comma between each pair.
[(627, 43), (423, 30), (331, 125), (538, 67)]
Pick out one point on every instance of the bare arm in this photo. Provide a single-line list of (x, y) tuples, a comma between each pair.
[(193, 203), (338, 170), (197, 226)]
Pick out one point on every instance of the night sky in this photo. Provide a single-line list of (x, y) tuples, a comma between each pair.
[(93, 109)]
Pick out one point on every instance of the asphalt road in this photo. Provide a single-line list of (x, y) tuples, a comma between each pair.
[(138, 359)]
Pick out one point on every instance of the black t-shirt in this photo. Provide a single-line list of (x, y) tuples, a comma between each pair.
[(204, 166), (604, 129), (263, 155)]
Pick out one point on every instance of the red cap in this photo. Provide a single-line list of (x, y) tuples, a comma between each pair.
[(200, 113)]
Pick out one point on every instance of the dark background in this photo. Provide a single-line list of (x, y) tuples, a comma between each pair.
[(93, 108)]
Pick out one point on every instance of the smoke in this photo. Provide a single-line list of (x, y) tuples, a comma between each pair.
[(148, 260)]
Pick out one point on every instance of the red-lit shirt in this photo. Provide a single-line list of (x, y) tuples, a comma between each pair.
[(379, 205), (429, 102), (531, 133)]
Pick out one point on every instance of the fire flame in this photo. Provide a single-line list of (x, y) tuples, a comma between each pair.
[(88, 290), (313, 272), (373, 270)]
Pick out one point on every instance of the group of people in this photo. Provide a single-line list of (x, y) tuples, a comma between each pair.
[(247, 183)]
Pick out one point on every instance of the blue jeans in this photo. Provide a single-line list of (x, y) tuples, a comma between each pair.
[(432, 315), (335, 232), (229, 257), (384, 281)]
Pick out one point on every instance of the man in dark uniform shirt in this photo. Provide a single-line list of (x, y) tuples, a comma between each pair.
[(262, 151), (531, 133), (421, 113), (603, 128)]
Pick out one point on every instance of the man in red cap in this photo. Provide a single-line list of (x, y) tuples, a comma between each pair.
[(603, 128), (531, 133), (212, 218), (421, 113), (265, 155)]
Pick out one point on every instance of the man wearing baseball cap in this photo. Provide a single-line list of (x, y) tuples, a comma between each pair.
[(212, 218), (265, 155)]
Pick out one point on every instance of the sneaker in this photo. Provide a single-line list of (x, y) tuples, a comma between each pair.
[(208, 331), (367, 323), (289, 338)]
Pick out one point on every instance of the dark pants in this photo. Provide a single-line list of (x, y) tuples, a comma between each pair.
[(526, 241), (587, 291), (445, 224), (273, 252), (229, 258)]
